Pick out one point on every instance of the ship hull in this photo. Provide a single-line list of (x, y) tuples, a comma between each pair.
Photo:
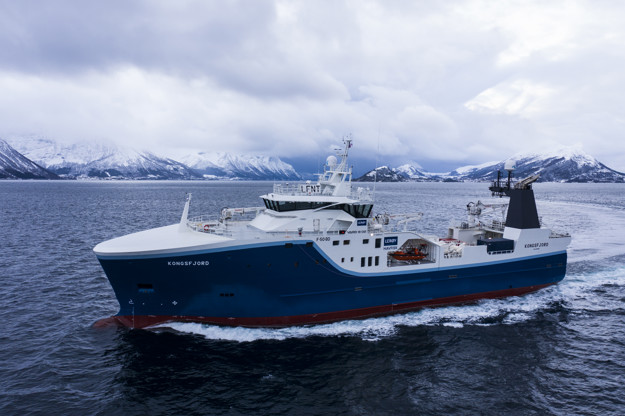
[(296, 284)]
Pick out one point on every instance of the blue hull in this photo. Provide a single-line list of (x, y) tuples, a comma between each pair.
[(279, 285)]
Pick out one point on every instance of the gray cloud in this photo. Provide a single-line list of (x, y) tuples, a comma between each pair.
[(460, 81)]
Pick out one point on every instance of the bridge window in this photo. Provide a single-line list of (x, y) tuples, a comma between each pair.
[(355, 210), (284, 206)]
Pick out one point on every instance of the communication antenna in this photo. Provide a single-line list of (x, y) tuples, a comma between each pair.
[(377, 160)]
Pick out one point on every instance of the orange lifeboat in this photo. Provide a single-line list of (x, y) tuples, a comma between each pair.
[(409, 254)]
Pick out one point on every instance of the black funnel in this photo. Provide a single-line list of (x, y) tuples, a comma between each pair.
[(522, 211)]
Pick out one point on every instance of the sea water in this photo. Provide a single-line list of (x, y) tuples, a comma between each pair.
[(558, 351)]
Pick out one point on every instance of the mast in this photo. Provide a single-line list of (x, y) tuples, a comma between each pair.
[(337, 177)]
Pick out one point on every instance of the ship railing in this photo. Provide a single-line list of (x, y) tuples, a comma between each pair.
[(556, 234), (206, 224), (362, 194), (493, 225), (384, 222), (203, 218), (396, 228), (314, 189), (297, 189), (498, 225), (227, 214)]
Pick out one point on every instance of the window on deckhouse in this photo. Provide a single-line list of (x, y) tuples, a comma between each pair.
[(355, 210), (285, 206)]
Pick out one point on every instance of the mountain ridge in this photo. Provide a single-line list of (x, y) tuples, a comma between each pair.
[(560, 165), (240, 166), (46, 159), (14, 165), (109, 161)]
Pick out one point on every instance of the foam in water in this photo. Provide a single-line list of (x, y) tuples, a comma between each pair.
[(506, 311), (597, 232), (374, 329)]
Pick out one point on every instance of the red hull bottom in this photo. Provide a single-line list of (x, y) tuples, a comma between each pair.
[(143, 321)]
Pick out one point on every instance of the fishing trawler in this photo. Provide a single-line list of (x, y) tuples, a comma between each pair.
[(315, 253)]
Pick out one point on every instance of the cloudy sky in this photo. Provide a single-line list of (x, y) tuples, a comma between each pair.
[(442, 83)]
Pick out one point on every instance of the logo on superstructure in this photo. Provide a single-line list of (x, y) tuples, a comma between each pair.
[(390, 241)]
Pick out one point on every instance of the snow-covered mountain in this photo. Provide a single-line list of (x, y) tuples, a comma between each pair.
[(107, 160), (558, 165), (217, 164), (96, 160), (468, 170), (14, 165), (383, 174), (413, 171)]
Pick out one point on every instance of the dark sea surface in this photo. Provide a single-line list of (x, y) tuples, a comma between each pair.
[(560, 351)]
